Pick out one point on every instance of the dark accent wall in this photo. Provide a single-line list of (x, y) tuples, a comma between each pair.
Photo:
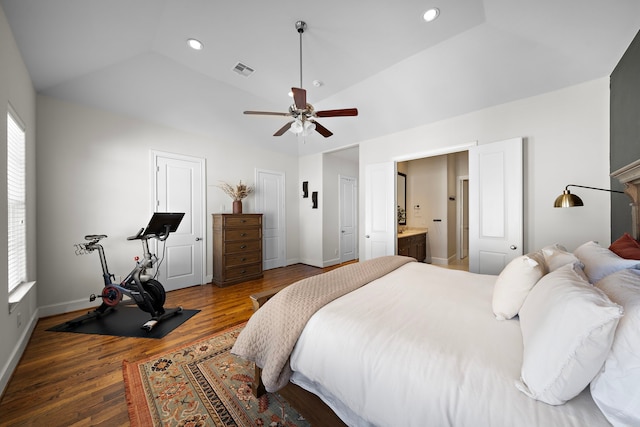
[(624, 130)]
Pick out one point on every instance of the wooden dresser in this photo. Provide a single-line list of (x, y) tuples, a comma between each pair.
[(237, 248)]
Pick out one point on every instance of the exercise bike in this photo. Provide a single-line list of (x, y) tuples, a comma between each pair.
[(142, 288)]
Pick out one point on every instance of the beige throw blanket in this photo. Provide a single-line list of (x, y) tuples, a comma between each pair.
[(272, 331)]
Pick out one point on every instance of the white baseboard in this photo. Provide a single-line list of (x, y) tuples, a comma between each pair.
[(66, 307), (16, 354), (331, 262)]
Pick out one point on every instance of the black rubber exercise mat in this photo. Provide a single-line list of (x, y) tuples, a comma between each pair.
[(126, 322)]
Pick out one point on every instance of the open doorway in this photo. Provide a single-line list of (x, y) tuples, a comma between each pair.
[(437, 200)]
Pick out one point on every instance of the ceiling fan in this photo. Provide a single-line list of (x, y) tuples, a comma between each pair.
[(303, 114)]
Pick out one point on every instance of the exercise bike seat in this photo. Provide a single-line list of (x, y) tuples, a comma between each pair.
[(95, 236)]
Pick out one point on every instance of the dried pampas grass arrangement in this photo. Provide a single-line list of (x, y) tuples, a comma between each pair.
[(238, 192)]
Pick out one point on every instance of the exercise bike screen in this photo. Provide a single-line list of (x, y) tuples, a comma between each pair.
[(160, 220)]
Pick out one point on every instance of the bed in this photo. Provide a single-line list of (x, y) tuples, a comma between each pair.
[(552, 340)]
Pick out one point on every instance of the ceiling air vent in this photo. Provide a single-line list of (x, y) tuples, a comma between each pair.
[(243, 70)]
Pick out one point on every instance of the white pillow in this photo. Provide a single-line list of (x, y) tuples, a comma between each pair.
[(556, 256), (616, 390), (600, 262), (514, 283), (567, 329)]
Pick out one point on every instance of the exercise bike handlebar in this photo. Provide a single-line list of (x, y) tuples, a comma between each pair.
[(160, 236), (137, 236)]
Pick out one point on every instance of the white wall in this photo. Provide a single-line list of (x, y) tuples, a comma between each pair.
[(16, 89), (566, 142), (310, 232), (94, 177)]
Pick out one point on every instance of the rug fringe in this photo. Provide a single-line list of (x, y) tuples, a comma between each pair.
[(133, 387)]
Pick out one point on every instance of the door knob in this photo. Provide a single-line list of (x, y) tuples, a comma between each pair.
[(513, 247), (367, 236), (198, 239)]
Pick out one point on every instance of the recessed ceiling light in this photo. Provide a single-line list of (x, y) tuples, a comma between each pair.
[(431, 14), (195, 44)]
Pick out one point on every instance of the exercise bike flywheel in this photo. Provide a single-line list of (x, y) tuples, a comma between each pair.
[(111, 296), (156, 292)]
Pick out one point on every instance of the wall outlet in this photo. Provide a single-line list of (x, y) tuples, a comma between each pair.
[(335, 252), (19, 317)]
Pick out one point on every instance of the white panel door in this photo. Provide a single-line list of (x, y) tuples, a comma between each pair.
[(380, 210), (179, 188), (270, 201), (348, 218), (495, 205)]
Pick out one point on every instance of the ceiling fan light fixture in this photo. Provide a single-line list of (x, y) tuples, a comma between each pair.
[(296, 127), (195, 44), (308, 127), (431, 14), (302, 127)]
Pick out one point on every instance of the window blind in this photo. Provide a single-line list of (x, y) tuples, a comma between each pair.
[(16, 201)]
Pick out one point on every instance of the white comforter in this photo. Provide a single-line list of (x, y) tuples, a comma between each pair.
[(421, 347)]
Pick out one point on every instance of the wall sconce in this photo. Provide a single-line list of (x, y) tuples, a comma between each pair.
[(568, 200), (314, 200), (305, 189)]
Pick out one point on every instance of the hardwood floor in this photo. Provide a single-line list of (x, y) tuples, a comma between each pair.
[(68, 379)]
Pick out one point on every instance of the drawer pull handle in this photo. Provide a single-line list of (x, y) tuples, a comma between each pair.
[(244, 271), (243, 220), (243, 259), (243, 246), (243, 234)]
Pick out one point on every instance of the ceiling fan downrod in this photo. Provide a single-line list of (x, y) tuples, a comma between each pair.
[(301, 26)]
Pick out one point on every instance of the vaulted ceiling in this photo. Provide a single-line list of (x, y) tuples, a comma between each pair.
[(131, 57)]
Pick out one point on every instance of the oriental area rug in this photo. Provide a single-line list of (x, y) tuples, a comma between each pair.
[(202, 384)]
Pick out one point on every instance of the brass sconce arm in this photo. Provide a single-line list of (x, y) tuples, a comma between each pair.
[(568, 200)]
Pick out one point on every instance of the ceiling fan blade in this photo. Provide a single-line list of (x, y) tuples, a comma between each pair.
[(283, 129), (267, 113), (337, 113), (323, 130), (300, 98)]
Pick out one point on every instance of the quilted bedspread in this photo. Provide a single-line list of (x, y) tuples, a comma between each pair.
[(272, 331)]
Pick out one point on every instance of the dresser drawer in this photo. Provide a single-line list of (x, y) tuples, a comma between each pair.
[(242, 246), (241, 220), (242, 258), (242, 234), (234, 273)]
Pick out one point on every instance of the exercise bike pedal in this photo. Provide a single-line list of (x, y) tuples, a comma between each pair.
[(149, 324), (92, 297)]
